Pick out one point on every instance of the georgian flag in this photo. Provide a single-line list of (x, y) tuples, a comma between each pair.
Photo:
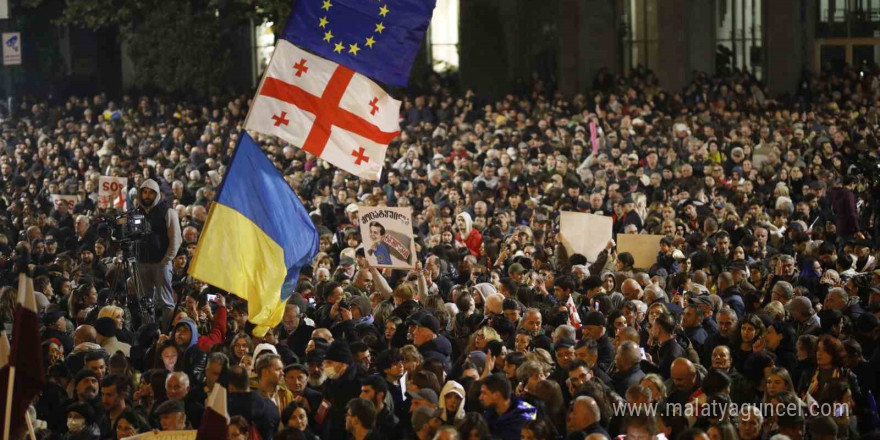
[(215, 419), (24, 371), (326, 109)]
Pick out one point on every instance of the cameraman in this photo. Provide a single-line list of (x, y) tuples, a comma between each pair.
[(160, 247)]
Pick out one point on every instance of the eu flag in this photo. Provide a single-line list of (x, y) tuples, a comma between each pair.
[(257, 237), (378, 39)]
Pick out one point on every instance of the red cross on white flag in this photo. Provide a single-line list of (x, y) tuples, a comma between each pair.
[(326, 109)]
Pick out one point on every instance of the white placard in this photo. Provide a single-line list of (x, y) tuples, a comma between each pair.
[(58, 199), (585, 234), (387, 236), (112, 192), (11, 48), (4, 9)]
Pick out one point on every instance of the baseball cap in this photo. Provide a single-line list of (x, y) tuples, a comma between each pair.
[(424, 394), (564, 343), (701, 300), (428, 321)]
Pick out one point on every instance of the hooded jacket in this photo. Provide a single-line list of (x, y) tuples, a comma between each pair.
[(473, 240), (509, 425), (162, 244), (194, 358), (455, 388)]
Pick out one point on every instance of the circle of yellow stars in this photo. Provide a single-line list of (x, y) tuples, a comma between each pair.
[(339, 46)]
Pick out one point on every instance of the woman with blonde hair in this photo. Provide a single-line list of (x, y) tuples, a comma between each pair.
[(776, 311), (481, 338), (117, 314)]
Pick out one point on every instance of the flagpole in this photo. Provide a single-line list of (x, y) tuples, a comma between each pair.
[(8, 416), (30, 425)]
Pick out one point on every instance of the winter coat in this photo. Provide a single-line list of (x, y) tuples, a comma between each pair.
[(438, 348), (508, 426)]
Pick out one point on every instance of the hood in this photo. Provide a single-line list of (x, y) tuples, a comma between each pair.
[(468, 224), (485, 290), (452, 387), (193, 328), (153, 185)]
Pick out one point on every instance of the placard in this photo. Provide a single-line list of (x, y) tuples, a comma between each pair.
[(585, 234), (644, 248), (387, 236), (58, 199), (112, 192), (11, 48)]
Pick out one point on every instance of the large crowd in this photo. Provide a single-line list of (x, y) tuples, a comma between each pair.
[(765, 294)]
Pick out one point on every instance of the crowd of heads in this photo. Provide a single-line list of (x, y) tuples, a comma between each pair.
[(765, 292)]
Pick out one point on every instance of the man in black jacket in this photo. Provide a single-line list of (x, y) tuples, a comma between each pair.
[(431, 344), (375, 389), (343, 384), (258, 410), (294, 330), (296, 377), (726, 332), (663, 331), (594, 330)]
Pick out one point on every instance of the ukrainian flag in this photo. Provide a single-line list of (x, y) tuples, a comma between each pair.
[(257, 237)]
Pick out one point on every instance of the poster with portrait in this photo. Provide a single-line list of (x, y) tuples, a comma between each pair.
[(387, 236)]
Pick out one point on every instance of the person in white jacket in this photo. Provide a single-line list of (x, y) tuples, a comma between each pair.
[(452, 403)]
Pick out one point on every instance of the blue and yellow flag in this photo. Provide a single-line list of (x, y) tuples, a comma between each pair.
[(257, 237), (378, 39)]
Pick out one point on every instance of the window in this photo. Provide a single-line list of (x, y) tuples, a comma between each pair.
[(641, 43), (264, 38), (740, 36), (444, 35)]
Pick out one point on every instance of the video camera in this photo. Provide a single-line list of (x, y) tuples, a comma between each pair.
[(127, 227)]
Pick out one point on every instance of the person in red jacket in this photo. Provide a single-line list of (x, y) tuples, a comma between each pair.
[(467, 235)]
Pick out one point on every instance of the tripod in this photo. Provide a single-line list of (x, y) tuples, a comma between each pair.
[(128, 284)]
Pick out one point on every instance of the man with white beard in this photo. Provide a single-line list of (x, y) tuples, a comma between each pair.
[(315, 365), (343, 384)]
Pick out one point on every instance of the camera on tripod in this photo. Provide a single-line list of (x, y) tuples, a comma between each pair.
[(127, 227)]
